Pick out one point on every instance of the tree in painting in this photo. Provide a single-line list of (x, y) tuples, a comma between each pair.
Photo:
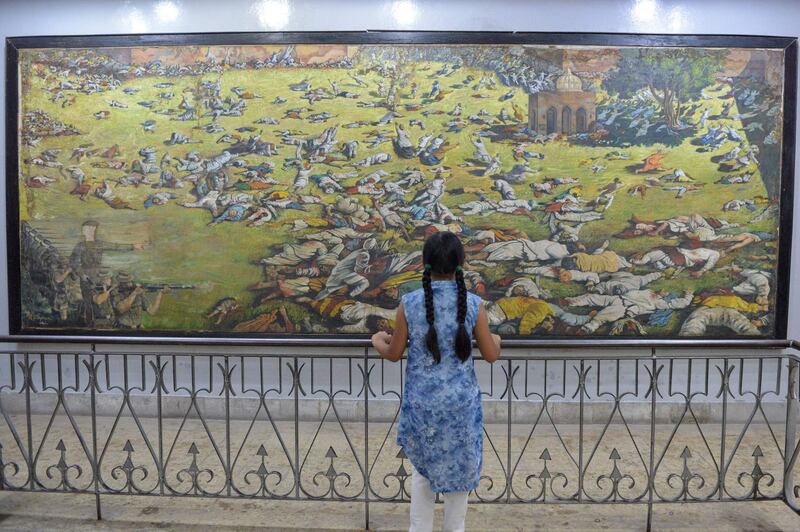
[(674, 77)]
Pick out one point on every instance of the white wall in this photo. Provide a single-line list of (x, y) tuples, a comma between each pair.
[(38, 17)]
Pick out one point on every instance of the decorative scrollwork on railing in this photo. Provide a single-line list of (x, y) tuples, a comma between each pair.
[(545, 479), (263, 489), (255, 430), (64, 389), (128, 471), (622, 486), (332, 476), (63, 469), (226, 380), (653, 376), (582, 374), (616, 477), (27, 375), (759, 480), (688, 486), (91, 381), (544, 419), (194, 474), (262, 474), (486, 483), (158, 381), (199, 481), (756, 476), (685, 478), (338, 480), (401, 475), (297, 385), (125, 477), (6, 465), (366, 385), (725, 381)]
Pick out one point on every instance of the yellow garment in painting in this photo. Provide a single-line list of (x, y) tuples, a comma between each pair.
[(400, 278), (530, 310), (331, 307), (575, 191), (316, 222), (734, 302), (606, 261)]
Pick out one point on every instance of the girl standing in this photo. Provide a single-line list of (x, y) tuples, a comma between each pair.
[(441, 420)]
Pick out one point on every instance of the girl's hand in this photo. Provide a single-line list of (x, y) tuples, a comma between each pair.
[(488, 342), (496, 339), (381, 340), (392, 345)]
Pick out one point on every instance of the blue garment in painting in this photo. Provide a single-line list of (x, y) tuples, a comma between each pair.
[(233, 213), (441, 419)]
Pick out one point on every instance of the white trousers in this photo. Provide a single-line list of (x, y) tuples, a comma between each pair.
[(422, 504)]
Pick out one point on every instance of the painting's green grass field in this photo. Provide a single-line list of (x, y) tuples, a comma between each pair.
[(219, 259)]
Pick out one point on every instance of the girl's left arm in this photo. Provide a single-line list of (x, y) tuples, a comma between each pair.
[(392, 346)]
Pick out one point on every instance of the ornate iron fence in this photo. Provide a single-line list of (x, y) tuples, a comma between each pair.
[(664, 425)]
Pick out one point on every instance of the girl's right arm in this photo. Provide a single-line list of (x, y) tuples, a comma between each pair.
[(488, 343)]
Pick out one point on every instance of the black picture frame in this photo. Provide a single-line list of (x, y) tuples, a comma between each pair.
[(13, 44)]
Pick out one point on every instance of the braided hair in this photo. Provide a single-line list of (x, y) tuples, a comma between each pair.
[(463, 343), (443, 254), (431, 339)]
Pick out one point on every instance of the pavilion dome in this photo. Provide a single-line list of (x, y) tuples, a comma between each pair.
[(568, 82)]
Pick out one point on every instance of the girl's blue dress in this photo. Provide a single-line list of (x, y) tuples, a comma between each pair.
[(441, 420)]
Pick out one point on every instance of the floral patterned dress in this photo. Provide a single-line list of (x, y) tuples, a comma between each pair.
[(441, 420)]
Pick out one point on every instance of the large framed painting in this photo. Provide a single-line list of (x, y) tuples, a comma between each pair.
[(281, 184)]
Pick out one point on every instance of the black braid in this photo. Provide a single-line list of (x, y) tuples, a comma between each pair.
[(431, 340), (463, 344)]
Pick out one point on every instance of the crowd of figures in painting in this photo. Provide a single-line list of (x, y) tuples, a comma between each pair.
[(355, 201)]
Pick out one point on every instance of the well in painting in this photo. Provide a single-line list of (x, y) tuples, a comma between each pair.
[(286, 189)]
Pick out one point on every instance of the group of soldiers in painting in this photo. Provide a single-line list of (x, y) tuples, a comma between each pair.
[(79, 289)]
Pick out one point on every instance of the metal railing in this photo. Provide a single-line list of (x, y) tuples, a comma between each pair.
[(659, 422)]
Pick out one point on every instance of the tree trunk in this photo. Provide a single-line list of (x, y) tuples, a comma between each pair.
[(666, 101), (669, 109)]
